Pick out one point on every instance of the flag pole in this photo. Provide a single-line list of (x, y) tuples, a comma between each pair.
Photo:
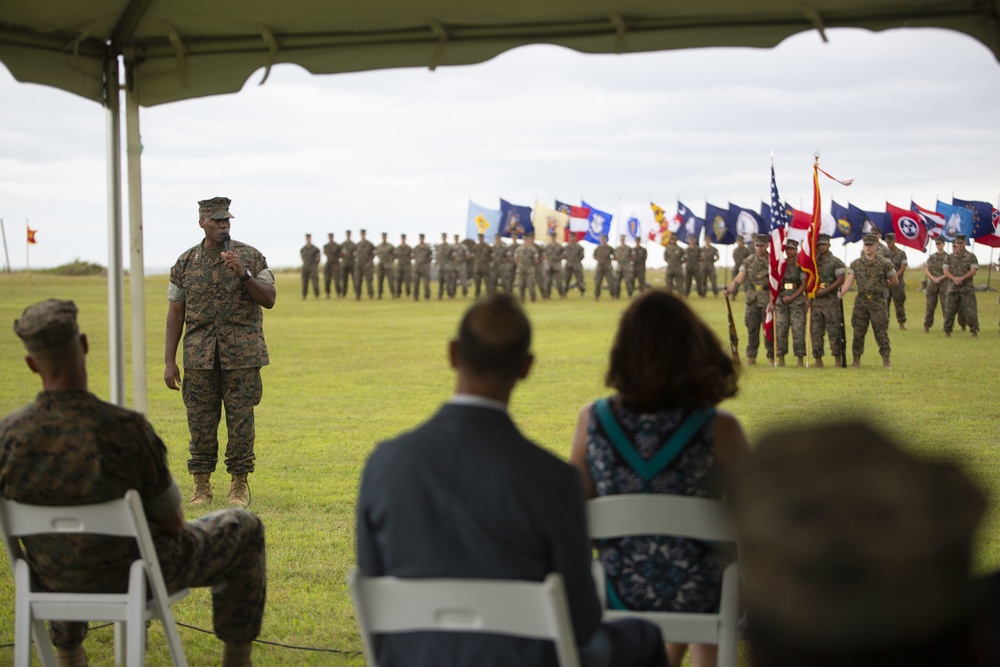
[(27, 247), (6, 256)]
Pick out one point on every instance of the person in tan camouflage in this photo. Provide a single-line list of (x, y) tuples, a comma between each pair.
[(347, 252), (498, 258), (403, 254), (385, 252), (673, 255), (740, 252), (624, 274), (897, 294), (827, 313), (790, 307), (422, 257), (875, 275), (639, 256), (364, 266), (692, 266), (509, 266), (754, 270), (482, 255), (603, 273), (526, 259), (215, 296), (573, 254), (961, 268), (442, 260), (459, 257), (310, 255), (552, 271), (937, 283), (706, 268), (331, 272), (70, 448)]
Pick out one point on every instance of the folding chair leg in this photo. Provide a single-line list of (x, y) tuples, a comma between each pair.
[(46, 654), (119, 644), (135, 644)]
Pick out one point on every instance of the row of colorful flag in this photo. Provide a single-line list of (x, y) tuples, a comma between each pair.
[(913, 226)]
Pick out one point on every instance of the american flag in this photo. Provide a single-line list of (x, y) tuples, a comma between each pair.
[(779, 217), (777, 229)]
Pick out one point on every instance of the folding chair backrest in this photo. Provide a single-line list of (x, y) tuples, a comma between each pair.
[(534, 610), (681, 516)]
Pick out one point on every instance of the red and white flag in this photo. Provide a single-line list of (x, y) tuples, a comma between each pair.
[(909, 227), (776, 270)]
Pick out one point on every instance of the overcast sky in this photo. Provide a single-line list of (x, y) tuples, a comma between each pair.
[(906, 113)]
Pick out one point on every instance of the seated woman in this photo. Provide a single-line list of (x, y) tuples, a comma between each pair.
[(670, 373)]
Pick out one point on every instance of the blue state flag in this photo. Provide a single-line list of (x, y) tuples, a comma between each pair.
[(746, 223), (718, 226), (515, 220), (689, 225), (982, 216), (957, 220), (482, 220), (598, 223), (879, 220), (850, 221)]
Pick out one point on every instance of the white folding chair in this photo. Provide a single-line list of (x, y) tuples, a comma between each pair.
[(681, 516), (531, 609), (122, 518)]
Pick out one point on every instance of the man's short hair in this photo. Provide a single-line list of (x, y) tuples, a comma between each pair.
[(494, 338)]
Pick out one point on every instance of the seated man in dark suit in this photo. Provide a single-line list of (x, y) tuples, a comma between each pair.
[(467, 495)]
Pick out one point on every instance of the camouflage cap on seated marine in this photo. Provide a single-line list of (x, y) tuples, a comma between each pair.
[(216, 208), (760, 239), (848, 542), (47, 324)]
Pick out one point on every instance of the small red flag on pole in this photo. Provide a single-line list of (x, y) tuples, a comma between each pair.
[(31, 235)]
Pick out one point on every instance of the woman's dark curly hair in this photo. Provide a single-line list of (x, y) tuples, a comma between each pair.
[(664, 356)]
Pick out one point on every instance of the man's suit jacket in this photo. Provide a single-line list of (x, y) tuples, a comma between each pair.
[(466, 495)]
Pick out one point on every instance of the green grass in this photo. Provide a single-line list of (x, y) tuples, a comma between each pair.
[(345, 375)]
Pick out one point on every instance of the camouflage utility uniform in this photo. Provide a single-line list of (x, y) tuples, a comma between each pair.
[(310, 268), (403, 254), (936, 292), (71, 448), (897, 294), (508, 268), (498, 256), (639, 255), (793, 313), (827, 313), (422, 256), (961, 299), (673, 255), (871, 304), (692, 268), (603, 272), (552, 271), (224, 350), (331, 272), (386, 256), (526, 258), (364, 265), (482, 264), (739, 254), (456, 270), (442, 260), (573, 254), (709, 256), (347, 252), (758, 294), (624, 274)]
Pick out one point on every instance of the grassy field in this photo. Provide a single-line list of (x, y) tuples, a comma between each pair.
[(345, 375)]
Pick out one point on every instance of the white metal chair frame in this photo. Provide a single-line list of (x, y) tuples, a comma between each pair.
[(530, 609), (682, 516), (121, 518)]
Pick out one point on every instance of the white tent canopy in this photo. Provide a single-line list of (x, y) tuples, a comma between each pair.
[(180, 49)]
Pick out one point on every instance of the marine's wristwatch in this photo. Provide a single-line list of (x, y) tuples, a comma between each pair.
[(246, 276)]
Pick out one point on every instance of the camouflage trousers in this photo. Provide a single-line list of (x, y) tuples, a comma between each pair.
[(404, 280), (346, 275), (331, 273), (934, 295), (446, 282), (707, 275), (553, 276), (386, 274), (826, 316), (366, 273), (310, 275), (480, 278), (606, 275), (793, 314), (507, 279), (205, 392), (526, 280), (691, 276), (961, 302), (640, 278), (675, 281), (223, 550), (876, 311), (574, 278), (897, 296), (422, 275), (626, 277), (754, 320), (456, 278), (493, 280)]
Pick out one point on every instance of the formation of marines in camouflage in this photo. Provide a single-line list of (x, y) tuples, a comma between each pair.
[(310, 267)]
